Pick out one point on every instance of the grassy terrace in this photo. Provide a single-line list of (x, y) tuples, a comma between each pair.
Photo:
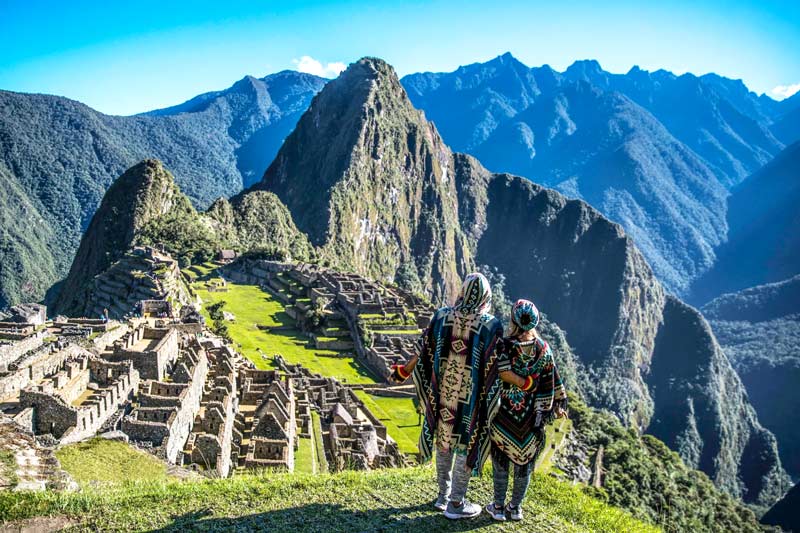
[(399, 416), (254, 307), (101, 461), (383, 500)]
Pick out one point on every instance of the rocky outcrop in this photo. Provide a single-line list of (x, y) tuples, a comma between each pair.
[(703, 412), (371, 181), (581, 269), (759, 331)]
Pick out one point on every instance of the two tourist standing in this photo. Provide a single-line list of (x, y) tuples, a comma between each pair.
[(456, 377), (466, 374)]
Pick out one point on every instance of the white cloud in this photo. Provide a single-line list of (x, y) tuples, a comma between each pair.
[(309, 65), (785, 91)]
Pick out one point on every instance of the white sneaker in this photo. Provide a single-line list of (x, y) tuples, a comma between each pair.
[(497, 513), (441, 503), (514, 513), (465, 510)]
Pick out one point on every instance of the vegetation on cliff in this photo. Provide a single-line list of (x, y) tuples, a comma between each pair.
[(642, 475)]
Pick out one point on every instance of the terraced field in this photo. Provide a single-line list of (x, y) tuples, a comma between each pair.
[(262, 329)]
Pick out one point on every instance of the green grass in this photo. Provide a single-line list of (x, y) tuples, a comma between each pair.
[(399, 416), (304, 460), (544, 462), (101, 461), (319, 446), (252, 306), (393, 500), (8, 469)]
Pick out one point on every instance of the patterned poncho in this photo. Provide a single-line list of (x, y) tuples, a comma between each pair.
[(456, 376), (518, 427)]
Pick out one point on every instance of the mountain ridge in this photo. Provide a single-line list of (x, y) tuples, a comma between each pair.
[(555, 260), (64, 155), (720, 136)]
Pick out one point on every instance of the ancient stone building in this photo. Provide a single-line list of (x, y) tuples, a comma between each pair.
[(354, 437), (152, 350), (73, 403), (266, 422), (167, 409), (210, 444)]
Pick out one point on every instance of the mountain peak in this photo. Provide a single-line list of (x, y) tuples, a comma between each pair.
[(349, 171), (584, 66), (143, 193), (370, 68)]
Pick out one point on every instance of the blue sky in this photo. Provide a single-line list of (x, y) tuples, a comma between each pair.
[(124, 59)]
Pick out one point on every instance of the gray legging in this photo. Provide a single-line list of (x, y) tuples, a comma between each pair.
[(447, 468), (522, 478)]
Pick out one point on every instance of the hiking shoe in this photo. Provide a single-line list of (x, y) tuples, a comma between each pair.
[(514, 513), (441, 503), (465, 510), (497, 513)]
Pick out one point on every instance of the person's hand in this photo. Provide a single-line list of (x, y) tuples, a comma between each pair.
[(560, 413), (398, 374)]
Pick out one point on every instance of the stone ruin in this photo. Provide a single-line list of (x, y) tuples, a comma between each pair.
[(380, 323), (353, 436), (175, 389), (74, 403), (144, 274), (152, 350), (267, 427), (166, 410)]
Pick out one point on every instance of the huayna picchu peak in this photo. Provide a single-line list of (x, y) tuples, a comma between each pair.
[(372, 183)]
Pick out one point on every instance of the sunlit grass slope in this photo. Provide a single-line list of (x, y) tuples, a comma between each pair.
[(383, 500)]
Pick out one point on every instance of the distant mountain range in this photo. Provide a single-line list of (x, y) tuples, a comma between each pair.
[(654, 151), (58, 157)]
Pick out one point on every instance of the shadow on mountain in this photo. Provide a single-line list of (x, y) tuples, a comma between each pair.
[(329, 518)]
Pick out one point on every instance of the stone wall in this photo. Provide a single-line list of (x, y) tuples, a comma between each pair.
[(167, 410), (14, 349), (53, 400), (34, 366), (155, 360), (211, 443)]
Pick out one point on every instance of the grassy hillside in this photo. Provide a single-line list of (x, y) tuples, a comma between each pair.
[(101, 461), (386, 500)]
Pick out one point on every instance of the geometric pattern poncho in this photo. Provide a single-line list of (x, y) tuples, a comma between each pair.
[(456, 379), (518, 427)]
